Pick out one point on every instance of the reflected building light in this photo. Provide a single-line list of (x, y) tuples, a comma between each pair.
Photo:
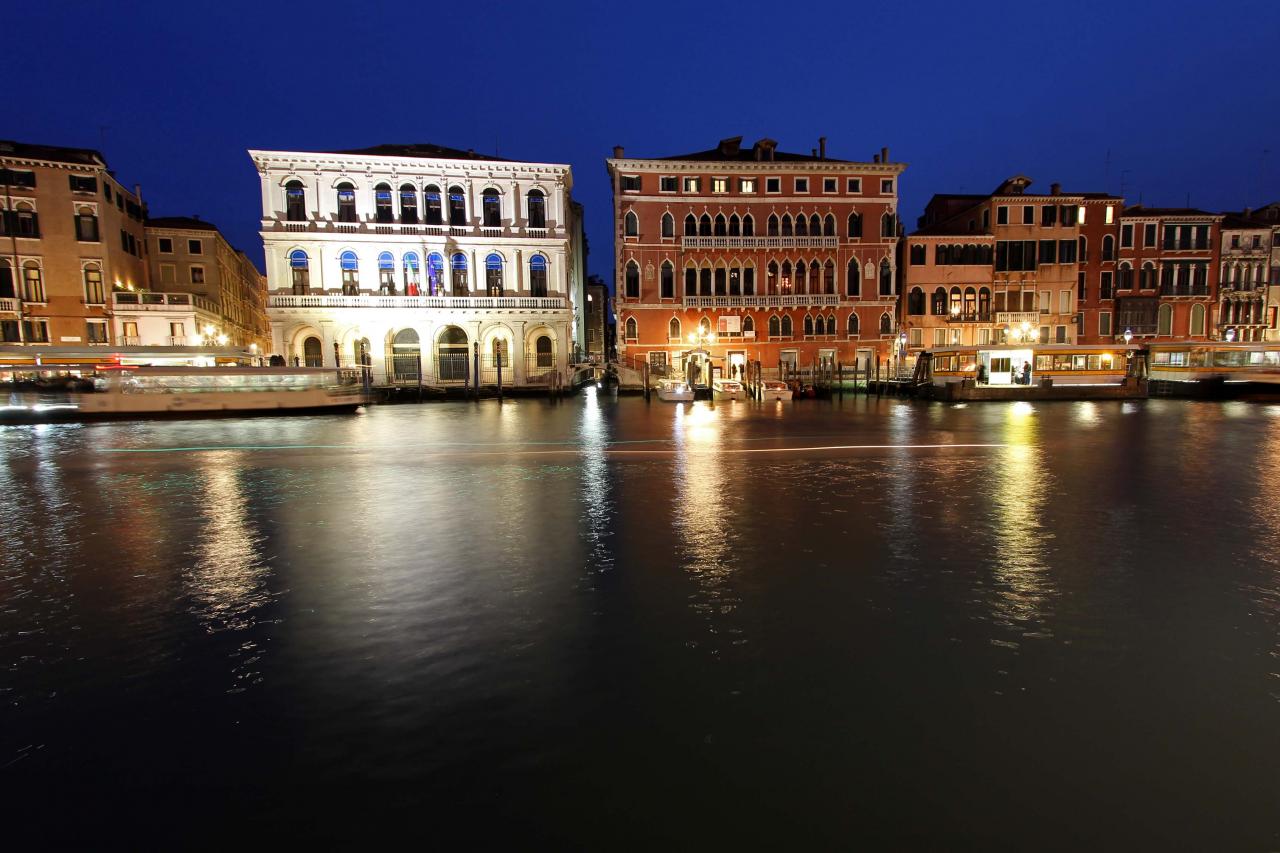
[(227, 578)]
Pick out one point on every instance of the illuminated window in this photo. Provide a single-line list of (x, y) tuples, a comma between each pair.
[(386, 273), (350, 266), (346, 202), (459, 265), (96, 331), (747, 186), (537, 209), (94, 294), (1110, 217), (408, 204), (493, 274), (491, 208), (457, 207), (692, 185), (719, 185), (412, 283), (435, 274), (300, 269), (433, 213), (538, 275)]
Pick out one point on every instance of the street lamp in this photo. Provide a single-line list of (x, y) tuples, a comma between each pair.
[(1231, 335), (1128, 336), (1024, 332)]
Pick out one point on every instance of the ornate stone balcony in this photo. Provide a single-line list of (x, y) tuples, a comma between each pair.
[(293, 300)]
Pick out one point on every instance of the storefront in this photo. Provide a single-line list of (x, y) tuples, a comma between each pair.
[(1006, 366)]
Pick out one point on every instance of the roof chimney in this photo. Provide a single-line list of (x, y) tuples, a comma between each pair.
[(730, 147), (884, 155), (875, 158), (1055, 189), (822, 148), (617, 152), (813, 152)]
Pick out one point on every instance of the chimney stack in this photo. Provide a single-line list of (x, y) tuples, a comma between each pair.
[(813, 152), (617, 152), (884, 155), (822, 148), (875, 158), (1055, 189)]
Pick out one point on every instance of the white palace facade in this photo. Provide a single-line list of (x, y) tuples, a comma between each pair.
[(404, 258)]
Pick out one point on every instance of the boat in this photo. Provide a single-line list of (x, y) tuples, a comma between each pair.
[(727, 389), (774, 390), (145, 392), (675, 391)]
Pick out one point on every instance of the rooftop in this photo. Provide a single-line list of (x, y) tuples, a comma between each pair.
[(1138, 210), (762, 151), (188, 223), (422, 150), (52, 153)]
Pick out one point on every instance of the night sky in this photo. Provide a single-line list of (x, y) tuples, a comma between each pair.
[(1180, 94)]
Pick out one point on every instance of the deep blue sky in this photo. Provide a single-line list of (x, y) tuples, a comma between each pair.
[(1180, 93)]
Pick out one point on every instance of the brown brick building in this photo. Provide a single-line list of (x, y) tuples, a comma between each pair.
[(70, 234), (781, 257), (1167, 274)]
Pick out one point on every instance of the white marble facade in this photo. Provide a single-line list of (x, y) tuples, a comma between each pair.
[(407, 257)]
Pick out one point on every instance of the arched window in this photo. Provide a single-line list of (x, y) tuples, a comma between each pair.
[(94, 294), (855, 225), (1125, 279), (721, 227), (802, 280), (668, 225), (735, 226), (631, 224), (690, 281), (771, 279), (1082, 252), (493, 274), (408, 204), (435, 274), (7, 288), (1197, 319), (27, 220), (786, 225), (984, 303), (690, 226), (954, 307), (772, 226), (819, 325), (538, 276), (412, 282), (853, 324), (786, 325), (459, 264), (802, 226), (816, 281), (1108, 248), (632, 279), (886, 324), (749, 280), (86, 225), (346, 202), (748, 326), (312, 353), (888, 225), (546, 351), (915, 302), (537, 209), (970, 302), (831, 325), (938, 304), (735, 281), (383, 210), (295, 201), (300, 270), (775, 327), (748, 226), (1147, 279), (668, 281), (853, 278), (631, 329), (815, 225), (453, 360), (433, 212), (386, 273), (784, 282), (673, 329), (704, 281), (704, 226), (406, 356), (704, 325), (457, 206), (1164, 320), (829, 226), (491, 208), (886, 278), (350, 266)]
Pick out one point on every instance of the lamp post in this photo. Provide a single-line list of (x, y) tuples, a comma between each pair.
[(1231, 335), (701, 339), (1128, 336)]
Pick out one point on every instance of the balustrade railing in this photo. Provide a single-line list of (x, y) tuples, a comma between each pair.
[(9, 305), (794, 300), (289, 300), (688, 242)]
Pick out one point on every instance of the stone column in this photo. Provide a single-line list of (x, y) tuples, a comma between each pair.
[(327, 340), (518, 352)]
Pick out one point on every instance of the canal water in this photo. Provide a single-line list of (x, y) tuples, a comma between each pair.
[(615, 624)]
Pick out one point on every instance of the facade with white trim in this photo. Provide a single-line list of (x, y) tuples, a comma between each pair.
[(422, 263)]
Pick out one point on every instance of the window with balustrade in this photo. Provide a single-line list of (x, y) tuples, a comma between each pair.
[(435, 274), (459, 266), (346, 202), (457, 207), (295, 201), (383, 209), (433, 211), (300, 271), (408, 204), (537, 203), (386, 274), (491, 208), (32, 282), (349, 265), (412, 282), (94, 292), (493, 274)]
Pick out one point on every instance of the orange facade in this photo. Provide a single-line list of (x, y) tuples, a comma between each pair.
[(781, 257)]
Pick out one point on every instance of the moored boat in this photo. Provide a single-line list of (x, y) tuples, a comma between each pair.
[(675, 391), (774, 390), (727, 389)]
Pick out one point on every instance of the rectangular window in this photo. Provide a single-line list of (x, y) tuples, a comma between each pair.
[(1080, 211), (1060, 335), (1044, 334), (1104, 324), (631, 183), (719, 185), (692, 185), (1048, 251), (197, 274), (1126, 236), (1002, 215), (1149, 235), (802, 185), (1046, 301), (1111, 215), (9, 331), (886, 186), (165, 244), (36, 331), (853, 185), (747, 186), (1049, 214), (917, 255), (176, 330), (667, 184), (1064, 302), (773, 185), (1028, 215), (17, 178), (939, 337), (86, 227), (195, 247), (95, 331), (168, 273), (1067, 251), (830, 185), (1104, 287), (1257, 241), (84, 184)]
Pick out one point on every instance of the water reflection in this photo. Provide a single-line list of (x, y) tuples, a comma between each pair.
[(1017, 513), (597, 503), (706, 541)]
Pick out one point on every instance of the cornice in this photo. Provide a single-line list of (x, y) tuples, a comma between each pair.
[(758, 166), (311, 161)]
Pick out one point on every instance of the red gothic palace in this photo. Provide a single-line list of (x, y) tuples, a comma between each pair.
[(746, 254)]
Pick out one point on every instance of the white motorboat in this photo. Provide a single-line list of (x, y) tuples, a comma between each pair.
[(142, 392), (675, 391), (727, 389), (774, 390)]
